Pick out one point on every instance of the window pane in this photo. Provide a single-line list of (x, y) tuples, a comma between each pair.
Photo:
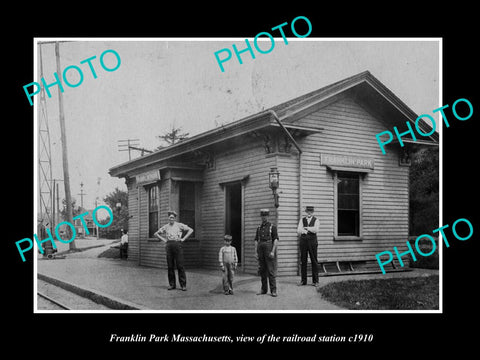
[(348, 223), (348, 202), (188, 218), (347, 185), (187, 195), (152, 223), (187, 203), (153, 198)]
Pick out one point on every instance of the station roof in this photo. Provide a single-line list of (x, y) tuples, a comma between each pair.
[(363, 87)]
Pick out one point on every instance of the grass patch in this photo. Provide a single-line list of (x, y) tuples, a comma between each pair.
[(429, 262), (425, 262), (420, 293), (70, 251), (111, 253)]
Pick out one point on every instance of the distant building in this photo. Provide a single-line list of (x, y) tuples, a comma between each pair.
[(218, 181), (90, 225)]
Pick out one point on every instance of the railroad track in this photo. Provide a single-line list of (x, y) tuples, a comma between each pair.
[(53, 301), (52, 297)]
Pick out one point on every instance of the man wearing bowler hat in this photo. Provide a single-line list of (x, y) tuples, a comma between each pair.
[(308, 228), (172, 235), (266, 240)]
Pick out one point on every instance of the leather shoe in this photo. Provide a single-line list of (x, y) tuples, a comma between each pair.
[(301, 284), (171, 287), (274, 294), (262, 293), (184, 288)]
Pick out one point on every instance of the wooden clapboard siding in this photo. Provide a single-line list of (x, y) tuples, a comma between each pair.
[(288, 214), (149, 251), (154, 255), (152, 251), (246, 160), (133, 227), (350, 130)]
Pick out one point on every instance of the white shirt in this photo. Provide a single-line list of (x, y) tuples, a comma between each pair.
[(175, 231), (124, 239), (227, 254)]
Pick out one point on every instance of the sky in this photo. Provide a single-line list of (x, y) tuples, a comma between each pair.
[(177, 82)]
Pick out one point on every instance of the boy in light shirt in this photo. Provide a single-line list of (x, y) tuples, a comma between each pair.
[(228, 259)]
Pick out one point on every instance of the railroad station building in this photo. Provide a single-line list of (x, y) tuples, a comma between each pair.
[(322, 148)]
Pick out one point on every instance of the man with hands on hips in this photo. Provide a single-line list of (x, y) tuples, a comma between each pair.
[(172, 235)]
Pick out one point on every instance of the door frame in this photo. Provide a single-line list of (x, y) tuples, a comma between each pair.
[(226, 203)]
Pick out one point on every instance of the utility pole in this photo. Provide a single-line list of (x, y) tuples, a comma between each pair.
[(96, 226), (53, 206), (143, 150), (81, 195), (66, 176), (126, 147), (58, 207), (56, 198)]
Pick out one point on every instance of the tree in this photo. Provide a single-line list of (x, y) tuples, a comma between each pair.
[(118, 202), (172, 137), (424, 189), (76, 210)]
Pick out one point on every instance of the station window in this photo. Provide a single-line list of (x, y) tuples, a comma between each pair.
[(347, 205), (187, 203)]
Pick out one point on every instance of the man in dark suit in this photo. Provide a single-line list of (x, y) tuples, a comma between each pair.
[(307, 228)]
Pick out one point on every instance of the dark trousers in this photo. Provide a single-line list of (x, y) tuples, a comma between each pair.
[(308, 246), (124, 251), (175, 259), (267, 268), (228, 274)]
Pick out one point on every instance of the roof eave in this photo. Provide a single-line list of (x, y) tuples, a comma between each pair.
[(216, 135)]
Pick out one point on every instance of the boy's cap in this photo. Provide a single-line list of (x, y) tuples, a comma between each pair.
[(309, 208), (227, 237), (264, 212), (172, 212)]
